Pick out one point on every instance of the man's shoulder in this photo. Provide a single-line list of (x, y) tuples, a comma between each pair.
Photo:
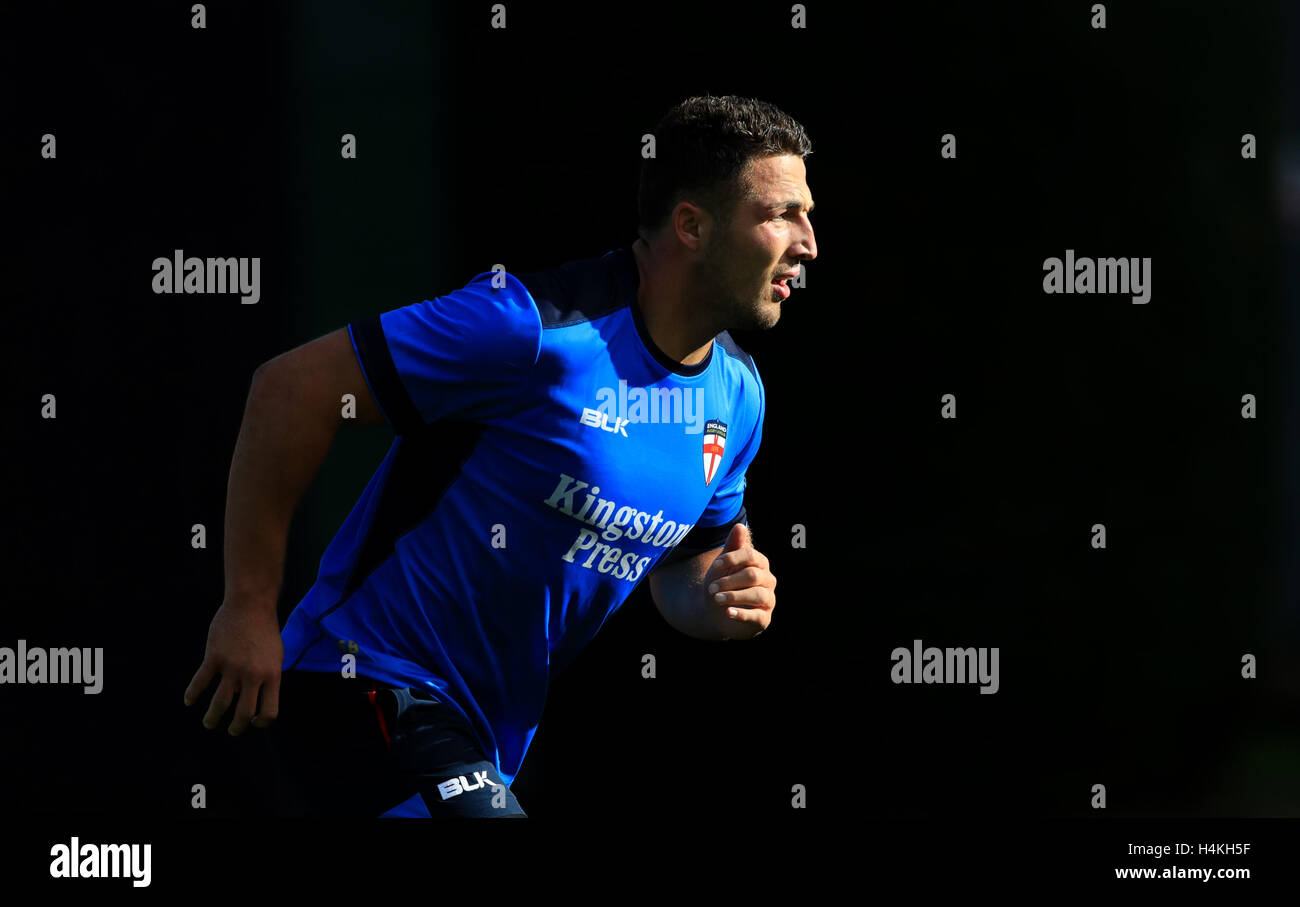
[(728, 343), (583, 289)]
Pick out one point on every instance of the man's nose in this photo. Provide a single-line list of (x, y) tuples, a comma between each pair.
[(810, 243)]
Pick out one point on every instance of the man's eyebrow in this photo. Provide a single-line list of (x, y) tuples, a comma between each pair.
[(792, 203)]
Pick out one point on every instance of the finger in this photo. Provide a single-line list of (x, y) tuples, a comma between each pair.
[(730, 561), (270, 703), (200, 682), (741, 579), (221, 700), (755, 620), (247, 706), (755, 596), (737, 537), (749, 538)]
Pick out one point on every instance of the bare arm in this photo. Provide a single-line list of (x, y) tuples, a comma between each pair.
[(292, 414), (685, 595), (679, 594)]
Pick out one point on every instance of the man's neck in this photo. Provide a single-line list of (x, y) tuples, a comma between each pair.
[(670, 320)]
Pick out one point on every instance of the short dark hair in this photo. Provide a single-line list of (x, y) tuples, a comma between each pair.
[(701, 148)]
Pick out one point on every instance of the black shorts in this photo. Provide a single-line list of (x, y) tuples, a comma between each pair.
[(362, 747)]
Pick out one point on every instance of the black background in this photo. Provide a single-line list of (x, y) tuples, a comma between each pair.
[(476, 146)]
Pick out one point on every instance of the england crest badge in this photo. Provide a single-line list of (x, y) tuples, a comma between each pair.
[(715, 440)]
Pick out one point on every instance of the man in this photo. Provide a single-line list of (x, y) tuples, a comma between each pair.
[(560, 436)]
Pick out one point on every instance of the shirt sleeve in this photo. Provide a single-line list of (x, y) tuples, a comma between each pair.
[(727, 506), (459, 356)]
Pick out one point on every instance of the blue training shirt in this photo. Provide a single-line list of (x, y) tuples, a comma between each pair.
[(547, 457)]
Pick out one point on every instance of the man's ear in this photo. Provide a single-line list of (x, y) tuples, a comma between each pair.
[(691, 225)]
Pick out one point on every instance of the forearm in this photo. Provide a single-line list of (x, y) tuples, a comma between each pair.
[(282, 443), (679, 593)]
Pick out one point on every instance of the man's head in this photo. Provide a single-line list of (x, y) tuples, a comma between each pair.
[(727, 191)]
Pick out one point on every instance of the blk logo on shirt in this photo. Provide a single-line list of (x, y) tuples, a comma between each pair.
[(715, 440), (454, 787), (597, 419)]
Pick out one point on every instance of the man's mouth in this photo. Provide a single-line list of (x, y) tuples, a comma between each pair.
[(780, 284)]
